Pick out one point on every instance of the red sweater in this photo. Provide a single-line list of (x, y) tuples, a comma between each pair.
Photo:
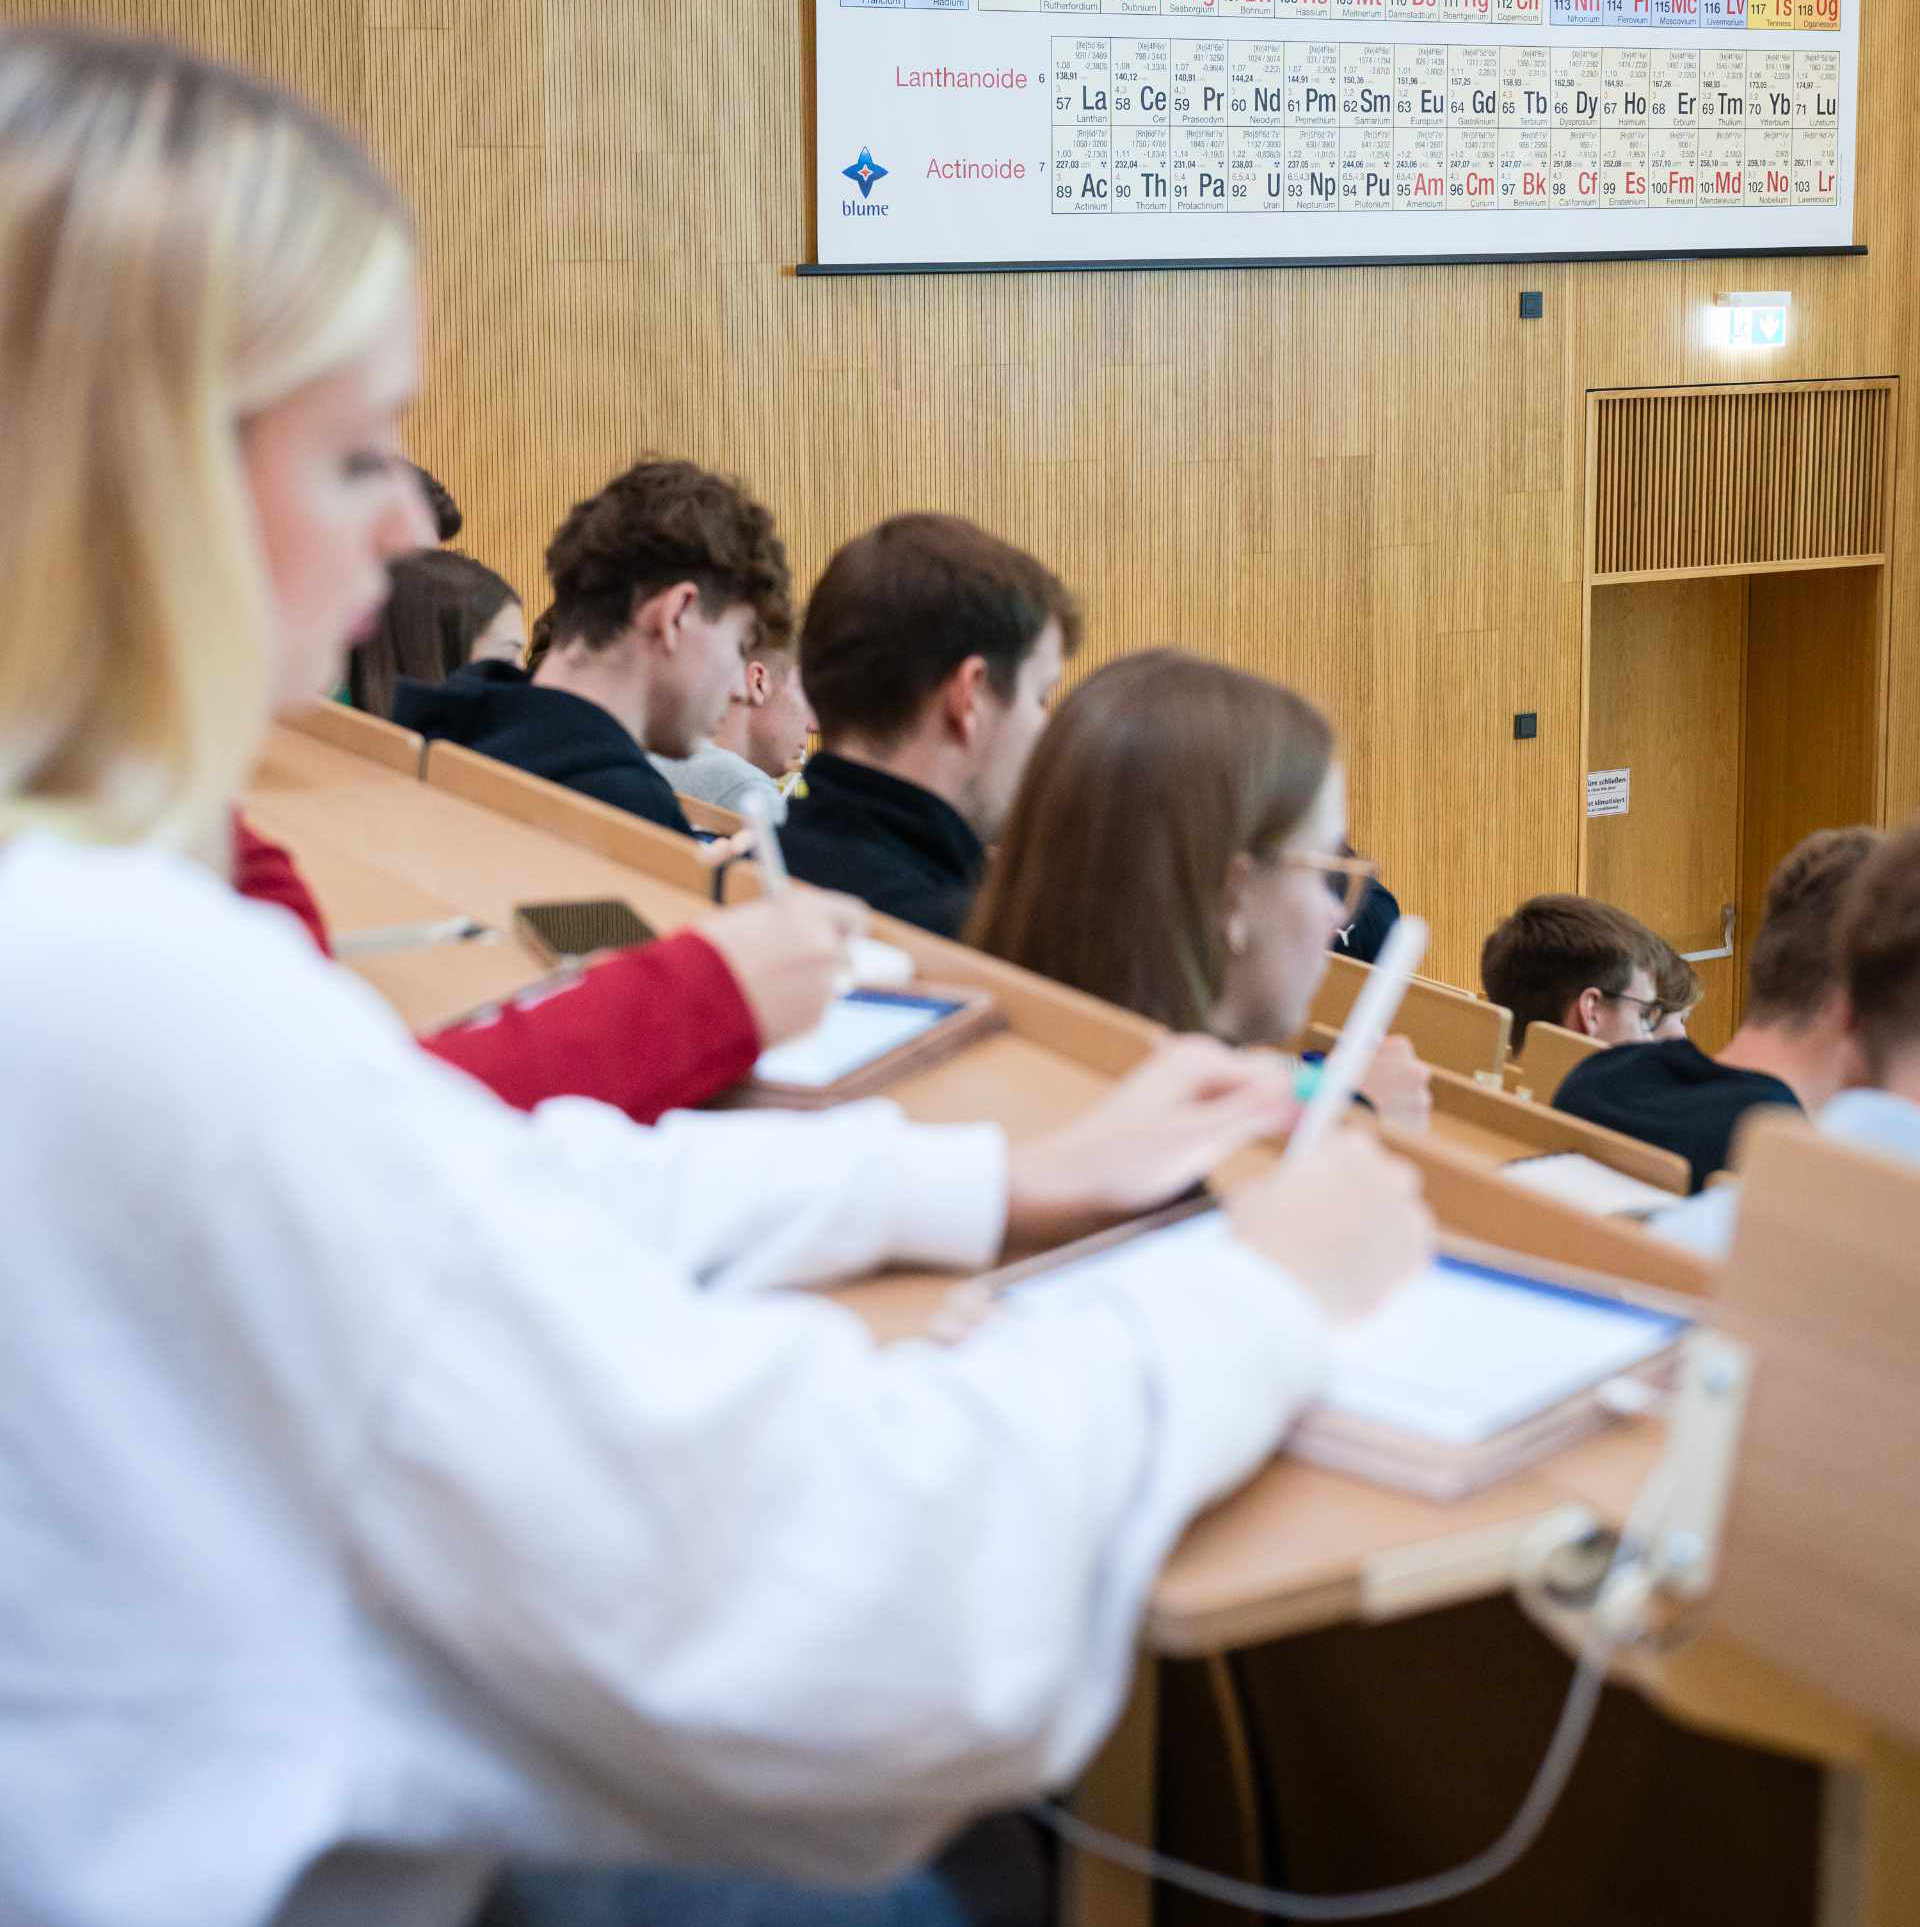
[(648, 1031)]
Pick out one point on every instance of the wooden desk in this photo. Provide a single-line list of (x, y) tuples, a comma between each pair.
[(1464, 1103), (381, 848), (372, 737), (569, 817), (1296, 1548), (1806, 1643), (378, 849), (1499, 1127)]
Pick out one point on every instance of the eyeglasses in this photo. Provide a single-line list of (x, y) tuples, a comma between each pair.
[(1346, 876), (1653, 1013)]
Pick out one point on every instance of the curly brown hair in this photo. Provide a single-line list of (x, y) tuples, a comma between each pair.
[(659, 524)]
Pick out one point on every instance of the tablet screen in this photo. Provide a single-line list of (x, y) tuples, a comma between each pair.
[(858, 1030)]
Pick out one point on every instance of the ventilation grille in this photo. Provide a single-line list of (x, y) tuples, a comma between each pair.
[(1697, 480)]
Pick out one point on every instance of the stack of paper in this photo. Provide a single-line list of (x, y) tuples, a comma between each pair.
[(1463, 1376), (1576, 1179)]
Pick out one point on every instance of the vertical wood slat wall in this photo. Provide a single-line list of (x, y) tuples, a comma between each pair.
[(1755, 476), (1367, 482)]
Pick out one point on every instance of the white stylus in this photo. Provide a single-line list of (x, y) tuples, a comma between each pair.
[(870, 961), (1362, 1034), (767, 854)]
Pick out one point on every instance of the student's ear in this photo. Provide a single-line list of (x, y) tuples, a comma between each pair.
[(1233, 905), (759, 685), (657, 619), (1583, 1014), (962, 700)]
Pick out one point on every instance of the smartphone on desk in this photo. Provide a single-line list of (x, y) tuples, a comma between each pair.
[(563, 933)]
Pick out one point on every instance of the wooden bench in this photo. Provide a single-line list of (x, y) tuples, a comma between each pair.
[(1504, 1127), (1446, 1026), (1545, 1058), (355, 730), (566, 814), (710, 817)]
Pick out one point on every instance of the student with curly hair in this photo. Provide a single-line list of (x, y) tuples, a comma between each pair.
[(662, 583)]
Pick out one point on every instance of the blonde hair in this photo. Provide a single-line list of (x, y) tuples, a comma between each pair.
[(181, 247)]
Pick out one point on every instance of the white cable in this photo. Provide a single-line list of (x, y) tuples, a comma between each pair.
[(1549, 1783)]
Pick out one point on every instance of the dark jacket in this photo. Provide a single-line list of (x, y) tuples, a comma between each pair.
[(1673, 1095), (499, 710), (1362, 938), (901, 848)]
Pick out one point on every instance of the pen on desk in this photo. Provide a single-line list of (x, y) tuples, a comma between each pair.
[(412, 936), (1362, 1034), (767, 856)]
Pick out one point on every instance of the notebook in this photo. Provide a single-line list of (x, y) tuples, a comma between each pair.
[(1571, 1177), (1467, 1374), (868, 1040)]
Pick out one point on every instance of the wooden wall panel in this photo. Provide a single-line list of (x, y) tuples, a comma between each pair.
[(1367, 482)]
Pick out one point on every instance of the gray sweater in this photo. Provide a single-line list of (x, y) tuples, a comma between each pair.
[(717, 775)]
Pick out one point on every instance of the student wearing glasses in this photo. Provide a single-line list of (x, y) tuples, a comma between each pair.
[(1578, 963), (1206, 889), (1677, 986), (1796, 1045)]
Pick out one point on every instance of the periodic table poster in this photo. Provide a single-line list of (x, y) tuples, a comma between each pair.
[(1061, 132)]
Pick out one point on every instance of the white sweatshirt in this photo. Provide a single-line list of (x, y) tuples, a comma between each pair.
[(380, 1493)]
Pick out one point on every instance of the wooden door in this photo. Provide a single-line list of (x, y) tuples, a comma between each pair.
[(1666, 703)]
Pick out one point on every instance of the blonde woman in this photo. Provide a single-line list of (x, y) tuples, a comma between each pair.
[(391, 1481)]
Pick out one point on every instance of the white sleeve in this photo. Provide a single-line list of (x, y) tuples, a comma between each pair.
[(699, 1575), (1703, 1224), (744, 1200), (764, 1589)]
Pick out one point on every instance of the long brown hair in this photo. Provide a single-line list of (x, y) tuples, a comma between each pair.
[(441, 605), (1152, 777)]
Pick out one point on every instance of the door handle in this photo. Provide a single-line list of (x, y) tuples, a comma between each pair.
[(1728, 916)]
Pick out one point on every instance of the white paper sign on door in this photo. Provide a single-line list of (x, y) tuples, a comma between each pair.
[(1607, 791)]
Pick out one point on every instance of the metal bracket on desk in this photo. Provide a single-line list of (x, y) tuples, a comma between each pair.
[(1728, 916), (1675, 1548)]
